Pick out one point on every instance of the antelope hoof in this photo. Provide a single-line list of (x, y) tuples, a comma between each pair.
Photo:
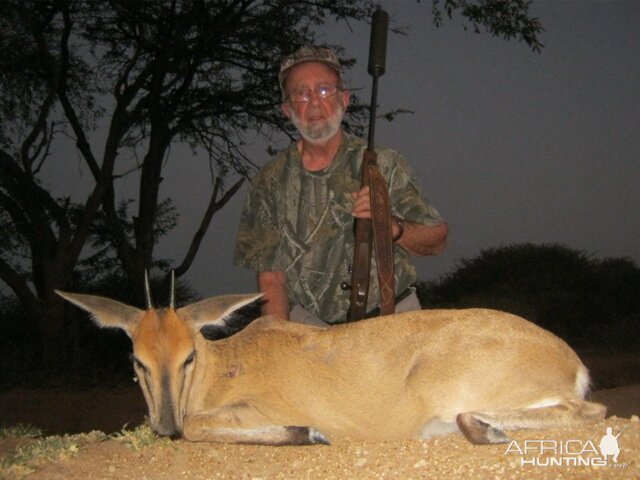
[(317, 437), (479, 432), (306, 436)]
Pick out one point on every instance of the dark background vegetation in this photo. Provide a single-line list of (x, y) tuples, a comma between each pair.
[(588, 301)]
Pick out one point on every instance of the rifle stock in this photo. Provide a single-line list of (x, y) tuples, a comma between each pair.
[(361, 266)]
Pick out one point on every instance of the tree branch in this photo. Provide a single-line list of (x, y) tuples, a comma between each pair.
[(214, 206)]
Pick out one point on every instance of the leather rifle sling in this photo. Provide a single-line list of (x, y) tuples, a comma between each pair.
[(361, 266), (376, 230), (382, 239)]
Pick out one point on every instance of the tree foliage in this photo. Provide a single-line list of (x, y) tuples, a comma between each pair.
[(501, 18), (124, 81), (582, 299)]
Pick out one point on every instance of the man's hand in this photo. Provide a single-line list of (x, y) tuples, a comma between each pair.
[(361, 203), (362, 209)]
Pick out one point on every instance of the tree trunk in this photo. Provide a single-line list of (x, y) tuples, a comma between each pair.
[(51, 341)]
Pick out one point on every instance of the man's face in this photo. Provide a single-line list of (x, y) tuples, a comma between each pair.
[(319, 119)]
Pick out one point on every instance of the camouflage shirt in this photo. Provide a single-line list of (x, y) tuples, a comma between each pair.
[(300, 222)]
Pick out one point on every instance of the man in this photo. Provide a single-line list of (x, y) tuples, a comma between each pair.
[(296, 228)]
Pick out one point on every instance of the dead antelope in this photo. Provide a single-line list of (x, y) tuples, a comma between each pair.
[(411, 375)]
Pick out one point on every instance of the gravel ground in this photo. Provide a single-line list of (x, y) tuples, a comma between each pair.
[(449, 457)]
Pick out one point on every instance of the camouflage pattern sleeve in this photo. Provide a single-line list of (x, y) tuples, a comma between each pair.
[(407, 200)]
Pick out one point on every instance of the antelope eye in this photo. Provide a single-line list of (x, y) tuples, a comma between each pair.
[(190, 359), (137, 363)]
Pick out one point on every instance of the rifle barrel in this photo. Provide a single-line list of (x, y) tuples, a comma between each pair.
[(376, 66)]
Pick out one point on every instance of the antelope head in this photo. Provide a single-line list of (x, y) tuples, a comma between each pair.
[(164, 346)]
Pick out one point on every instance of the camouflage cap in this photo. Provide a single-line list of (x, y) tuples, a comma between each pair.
[(309, 53)]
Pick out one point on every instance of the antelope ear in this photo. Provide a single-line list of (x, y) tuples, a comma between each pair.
[(213, 311), (106, 312)]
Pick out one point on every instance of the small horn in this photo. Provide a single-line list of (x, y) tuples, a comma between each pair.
[(147, 290), (172, 294)]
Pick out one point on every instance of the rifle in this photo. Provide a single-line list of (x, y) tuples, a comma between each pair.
[(377, 230)]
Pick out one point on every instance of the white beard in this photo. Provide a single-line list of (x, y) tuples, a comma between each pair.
[(319, 132)]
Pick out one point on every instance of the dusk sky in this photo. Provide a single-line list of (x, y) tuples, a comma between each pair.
[(509, 145)]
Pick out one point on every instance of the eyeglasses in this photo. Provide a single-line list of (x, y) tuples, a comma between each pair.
[(303, 94)]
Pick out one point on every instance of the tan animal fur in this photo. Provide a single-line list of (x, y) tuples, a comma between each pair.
[(410, 375)]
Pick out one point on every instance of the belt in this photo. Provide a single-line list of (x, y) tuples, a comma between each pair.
[(376, 311)]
